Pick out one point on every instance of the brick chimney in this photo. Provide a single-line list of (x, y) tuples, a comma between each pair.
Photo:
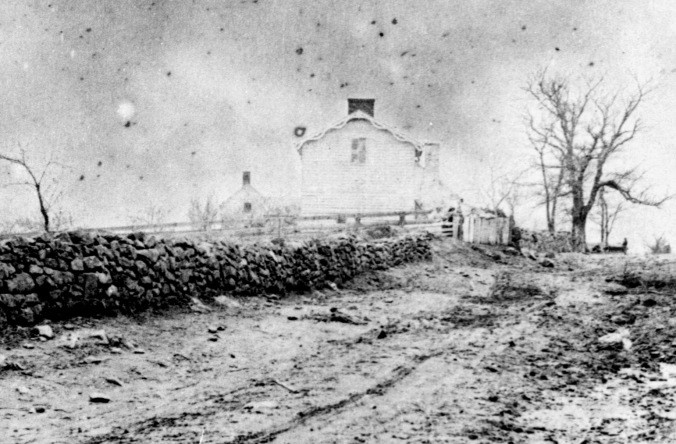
[(364, 105), (246, 178)]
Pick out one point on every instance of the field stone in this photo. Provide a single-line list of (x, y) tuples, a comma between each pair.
[(92, 263), (26, 315), (30, 299), (615, 337), (623, 319), (258, 406), (613, 288), (104, 278), (11, 300), (199, 306), (512, 251), (99, 398), (91, 284), (151, 241), (77, 265), (649, 302), (43, 281), (227, 302), (151, 255), (44, 331), (497, 256), (6, 270), (62, 278), (529, 254), (22, 283), (35, 269), (547, 263), (99, 334), (114, 381)]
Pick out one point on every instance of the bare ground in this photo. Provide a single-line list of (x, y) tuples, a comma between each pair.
[(463, 348)]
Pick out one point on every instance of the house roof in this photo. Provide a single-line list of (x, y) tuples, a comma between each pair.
[(360, 115), (247, 193)]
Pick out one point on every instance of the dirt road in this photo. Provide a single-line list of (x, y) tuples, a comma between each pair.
[(463, 348)]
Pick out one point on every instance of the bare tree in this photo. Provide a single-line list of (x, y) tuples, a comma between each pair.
[(660, 245), (583, 130), (153, 215), (504, 190), (552, 173), (203, 216), (37, 180)]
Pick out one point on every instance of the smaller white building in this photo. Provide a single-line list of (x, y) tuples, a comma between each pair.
[(247, 204)]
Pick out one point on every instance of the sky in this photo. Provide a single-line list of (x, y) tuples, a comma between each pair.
[(151, 103)]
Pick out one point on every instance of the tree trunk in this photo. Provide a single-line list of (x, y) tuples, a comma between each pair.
[(604, 220), (43, 208), (579, 233), (579, 219), (551, 224)]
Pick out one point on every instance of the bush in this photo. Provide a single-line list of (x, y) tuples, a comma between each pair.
[(660, 245)]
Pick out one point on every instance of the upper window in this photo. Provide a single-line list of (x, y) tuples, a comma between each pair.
[(247, 207), (358, 151)]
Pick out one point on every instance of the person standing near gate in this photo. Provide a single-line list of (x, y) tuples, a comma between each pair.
[(460, 220), (447, 227)]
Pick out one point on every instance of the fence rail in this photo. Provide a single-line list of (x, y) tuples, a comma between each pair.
[(253, 226), (475, 228)]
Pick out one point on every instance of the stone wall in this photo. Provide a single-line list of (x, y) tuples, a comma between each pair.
[(75, 274), (559, 242)]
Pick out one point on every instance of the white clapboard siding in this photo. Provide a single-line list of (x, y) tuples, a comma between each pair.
[(388, 180)]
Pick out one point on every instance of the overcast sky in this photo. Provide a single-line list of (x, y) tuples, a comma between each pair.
[(153, 102)]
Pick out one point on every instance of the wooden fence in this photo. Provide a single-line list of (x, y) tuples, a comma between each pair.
[(273, 224), (476, 227), (483, 229)]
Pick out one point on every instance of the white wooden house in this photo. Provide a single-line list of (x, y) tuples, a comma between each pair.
[(360, 165)]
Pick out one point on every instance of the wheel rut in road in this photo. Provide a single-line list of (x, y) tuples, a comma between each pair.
[(398, 374)]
